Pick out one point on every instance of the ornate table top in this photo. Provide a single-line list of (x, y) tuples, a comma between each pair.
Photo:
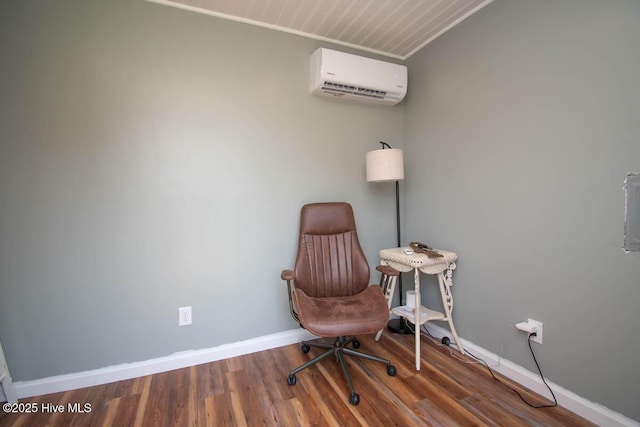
[(397, 258)]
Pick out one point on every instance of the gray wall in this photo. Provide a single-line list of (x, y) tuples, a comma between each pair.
[(522, 123), (152, 158)]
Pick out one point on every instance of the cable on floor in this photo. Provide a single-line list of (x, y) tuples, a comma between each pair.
[(479, 361), (555, 401)]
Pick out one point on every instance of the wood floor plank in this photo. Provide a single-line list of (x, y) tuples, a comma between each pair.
[(432, 415), (143, 400), (192, 419), (111, 412), (222, 410), (126, 411), (378, 387), (157, 404), (322, 392), (296, 414), (252, 390), (239, 414)]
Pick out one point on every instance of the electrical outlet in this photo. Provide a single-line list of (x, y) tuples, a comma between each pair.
[(184, 316), (537, 329)]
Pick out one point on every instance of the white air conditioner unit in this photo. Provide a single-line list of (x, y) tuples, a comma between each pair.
[(347, 76)]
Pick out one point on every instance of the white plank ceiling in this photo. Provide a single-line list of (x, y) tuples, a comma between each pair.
[(394, 28)]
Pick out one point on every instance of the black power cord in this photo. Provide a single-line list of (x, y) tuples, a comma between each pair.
[(446, 341)]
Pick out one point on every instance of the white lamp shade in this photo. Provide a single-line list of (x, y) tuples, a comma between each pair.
[(385, 165)]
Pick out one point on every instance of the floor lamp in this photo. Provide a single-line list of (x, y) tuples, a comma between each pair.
[(386, 165)]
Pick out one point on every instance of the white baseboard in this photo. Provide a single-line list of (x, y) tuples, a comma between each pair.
[(179, 360), (592, 411)]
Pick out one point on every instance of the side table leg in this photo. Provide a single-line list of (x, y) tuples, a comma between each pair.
[(5, 380), (388, 285), (445, 280), (417, 323)]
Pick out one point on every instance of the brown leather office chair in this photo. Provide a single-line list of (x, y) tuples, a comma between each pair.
[(331, 296)]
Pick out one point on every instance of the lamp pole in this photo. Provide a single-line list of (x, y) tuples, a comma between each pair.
[(398, 326)]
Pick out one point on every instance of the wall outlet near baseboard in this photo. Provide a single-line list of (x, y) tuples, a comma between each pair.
[(531, 326), (184, 316), (538, 330)]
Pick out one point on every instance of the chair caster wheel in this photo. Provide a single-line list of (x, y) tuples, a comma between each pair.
[(354, 399), (305, 348), (356, 344), (291, 380), (391, 370)]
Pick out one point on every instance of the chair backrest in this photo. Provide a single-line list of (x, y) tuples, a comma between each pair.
[(330, 261)]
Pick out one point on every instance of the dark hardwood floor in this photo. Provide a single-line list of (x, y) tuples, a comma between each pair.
[(252, 390)]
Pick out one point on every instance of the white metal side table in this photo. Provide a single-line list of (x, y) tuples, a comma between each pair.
[(421, 263)]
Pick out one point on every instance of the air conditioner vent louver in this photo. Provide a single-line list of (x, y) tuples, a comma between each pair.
[(347, 76), (355, 90)]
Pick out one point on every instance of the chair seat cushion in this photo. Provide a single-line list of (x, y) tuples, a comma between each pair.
[(363, 313)]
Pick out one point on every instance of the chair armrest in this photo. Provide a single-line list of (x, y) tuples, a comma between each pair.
[(287, 275), (387, 270)]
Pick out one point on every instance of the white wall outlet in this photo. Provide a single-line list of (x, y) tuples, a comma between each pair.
[(537, 329), (184, 316)]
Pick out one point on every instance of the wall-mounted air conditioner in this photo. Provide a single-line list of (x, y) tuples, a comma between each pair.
[(347, 76)]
